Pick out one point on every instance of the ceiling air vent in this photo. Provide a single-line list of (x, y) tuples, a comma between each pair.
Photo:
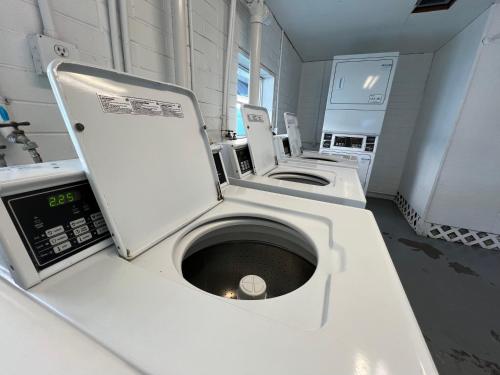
[(432, 5)]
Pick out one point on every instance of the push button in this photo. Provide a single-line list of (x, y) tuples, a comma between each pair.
[(99, 223), (96, 216), (77, 222), (81, 230), (101, 230), (84, 237), (58, 239), (62, 247), (54, 231)]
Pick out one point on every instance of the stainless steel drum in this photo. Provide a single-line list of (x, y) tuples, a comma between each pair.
[(280, 256), (303, 178)]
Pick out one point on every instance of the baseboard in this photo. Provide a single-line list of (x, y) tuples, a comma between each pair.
[(372, 194), (444, 232)]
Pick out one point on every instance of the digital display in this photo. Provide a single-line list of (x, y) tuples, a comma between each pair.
[(62, 198)]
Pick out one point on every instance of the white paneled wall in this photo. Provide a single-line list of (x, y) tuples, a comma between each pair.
[(449, 78), (399, 123), (85, 24)]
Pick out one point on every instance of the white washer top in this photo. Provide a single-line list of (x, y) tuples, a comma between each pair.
[(36, 341), (344, 187), (351, 316)]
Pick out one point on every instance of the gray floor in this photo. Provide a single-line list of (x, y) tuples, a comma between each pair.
[(454, 291)]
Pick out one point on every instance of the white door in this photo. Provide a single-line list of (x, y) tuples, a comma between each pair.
[(361, 81)]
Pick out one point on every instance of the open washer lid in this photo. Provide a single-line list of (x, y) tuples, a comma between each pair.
[(143, 147), (260, 138), (293, 131)]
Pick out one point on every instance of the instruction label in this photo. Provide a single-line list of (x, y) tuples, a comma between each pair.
[(129, 105), (255, 118)]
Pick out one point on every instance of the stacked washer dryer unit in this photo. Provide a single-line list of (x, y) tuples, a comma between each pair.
[(253, 163), (189, 256), (359, 91)]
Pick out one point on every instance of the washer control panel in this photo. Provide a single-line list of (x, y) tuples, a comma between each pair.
[(286, 146), (220, 168), (57, 222), (244, 159)]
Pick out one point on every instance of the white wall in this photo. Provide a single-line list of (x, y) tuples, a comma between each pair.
[(399, 124), (445, 92), (85, 24), (467, 193)]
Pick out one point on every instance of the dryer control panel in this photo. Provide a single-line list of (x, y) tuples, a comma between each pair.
[(357, 143), (56, 222)]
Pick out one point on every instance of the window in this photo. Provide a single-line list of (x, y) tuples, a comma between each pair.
[(242, 91)]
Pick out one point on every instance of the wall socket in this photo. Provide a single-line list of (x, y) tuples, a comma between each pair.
[(44, 49)]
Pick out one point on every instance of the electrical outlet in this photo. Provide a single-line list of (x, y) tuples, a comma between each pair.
[(44, 49)]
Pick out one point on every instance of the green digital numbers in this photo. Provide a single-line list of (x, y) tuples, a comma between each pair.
[(63, 198), (52, 202)]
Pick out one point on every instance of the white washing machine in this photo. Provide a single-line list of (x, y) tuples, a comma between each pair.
[(289, 148), (253, 163), (329, 299)]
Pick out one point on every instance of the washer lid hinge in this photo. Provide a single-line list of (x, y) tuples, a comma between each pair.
[(219, 191)]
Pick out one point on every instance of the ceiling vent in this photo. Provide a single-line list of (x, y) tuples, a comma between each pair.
[(432, 5)]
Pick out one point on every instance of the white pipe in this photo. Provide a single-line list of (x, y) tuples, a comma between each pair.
[(49, 27), (127, 57), (180, 41), (255, 57), (229, 60), (191, 43), (114, 32), (259, 13), (278, 85)]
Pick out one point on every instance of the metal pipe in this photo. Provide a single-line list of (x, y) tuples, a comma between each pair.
[(10, 130), (114, 32), (49, 27), (180, 41), (258, 12), (229, 60), (127, 57), (191, 43), (278, 85), (255, 57)]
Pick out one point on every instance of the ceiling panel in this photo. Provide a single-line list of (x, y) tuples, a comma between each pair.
[(321, 29)]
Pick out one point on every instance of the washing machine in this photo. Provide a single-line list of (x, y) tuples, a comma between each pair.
[(289, 147), (199, 278), (253, 163)]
